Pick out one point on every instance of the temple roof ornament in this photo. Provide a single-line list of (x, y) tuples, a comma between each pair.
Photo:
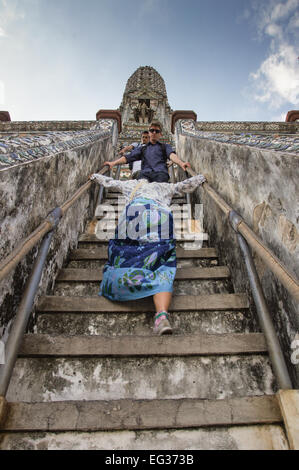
[(145, 100), (146, 77)]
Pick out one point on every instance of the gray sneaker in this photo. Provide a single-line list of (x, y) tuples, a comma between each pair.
[(163, 328)]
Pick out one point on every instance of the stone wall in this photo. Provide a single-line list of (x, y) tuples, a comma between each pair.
[(263, 187), (259, 127), (28, 192)]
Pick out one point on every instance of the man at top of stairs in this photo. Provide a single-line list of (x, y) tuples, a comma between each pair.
[(154, 157)]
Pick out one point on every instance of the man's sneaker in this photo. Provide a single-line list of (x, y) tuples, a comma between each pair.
[(162, 327)]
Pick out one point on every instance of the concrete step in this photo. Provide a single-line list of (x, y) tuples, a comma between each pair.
[(35, 345), (180, 287), (179, 303), (236, 437), (101, 251), (141, 323), (98, 263), (104, 229), (192, 281), (114, 209), (179, 235), (115, 198), (117, 415), (117, 194), (94, 275), (48, 376)]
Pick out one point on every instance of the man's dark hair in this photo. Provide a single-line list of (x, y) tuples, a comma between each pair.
[(157, 124), (145, 132)]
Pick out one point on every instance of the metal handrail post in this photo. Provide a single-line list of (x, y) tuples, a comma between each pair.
[(117, 174), (265, 321), (171, 173), (21, 320), (100, 196)]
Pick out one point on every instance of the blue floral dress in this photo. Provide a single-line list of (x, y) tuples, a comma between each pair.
[(142, 255)]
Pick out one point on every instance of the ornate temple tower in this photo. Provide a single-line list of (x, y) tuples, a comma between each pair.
[(145, 100)]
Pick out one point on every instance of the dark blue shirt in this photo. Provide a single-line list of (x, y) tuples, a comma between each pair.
[(154, 159)]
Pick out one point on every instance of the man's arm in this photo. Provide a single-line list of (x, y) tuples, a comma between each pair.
[(135, 155), (119, 161), (126, 149), (132, 157), (175, 159)]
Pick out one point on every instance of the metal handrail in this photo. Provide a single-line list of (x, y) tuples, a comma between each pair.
[(275, 351), (19, 253), (45, 230), (286, 278)]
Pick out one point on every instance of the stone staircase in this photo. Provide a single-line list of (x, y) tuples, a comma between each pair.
[(94, 376)]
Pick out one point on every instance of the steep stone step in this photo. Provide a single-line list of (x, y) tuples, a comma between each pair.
[(180, 287), (179, 234), (81, 275), (141, 414), (192, 281), (111, 199), (114, 210), (250, 437), (49, 378), (237, 437), (101, 251), (99, 263), (35, 345), (116, 194), (141, 324), (179, 303)]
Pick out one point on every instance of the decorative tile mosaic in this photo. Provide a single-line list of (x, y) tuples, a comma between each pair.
[(282, 143), (20, 147)]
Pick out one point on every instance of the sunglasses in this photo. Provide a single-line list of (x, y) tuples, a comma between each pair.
[(155, 131)]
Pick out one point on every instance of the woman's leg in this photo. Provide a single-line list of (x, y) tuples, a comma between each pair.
[(162, 301)]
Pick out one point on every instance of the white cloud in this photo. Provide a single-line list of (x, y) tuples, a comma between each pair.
[(277, 79), (11, 11), (281, 10), (281, 117)]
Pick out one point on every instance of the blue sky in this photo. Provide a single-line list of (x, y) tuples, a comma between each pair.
[(224, 59)]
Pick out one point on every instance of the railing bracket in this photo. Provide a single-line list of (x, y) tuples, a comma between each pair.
[(235, 219)]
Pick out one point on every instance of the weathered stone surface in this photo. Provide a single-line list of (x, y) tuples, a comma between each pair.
[(289, 406), (257, 128), (28, 193), (256, 437), (238, 174), (81, 275), (36, 126), (108, 378), (115, 324), (101, 252), (3, 410), (141, 414), (179, 302), (35, 345), (181, 287)]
